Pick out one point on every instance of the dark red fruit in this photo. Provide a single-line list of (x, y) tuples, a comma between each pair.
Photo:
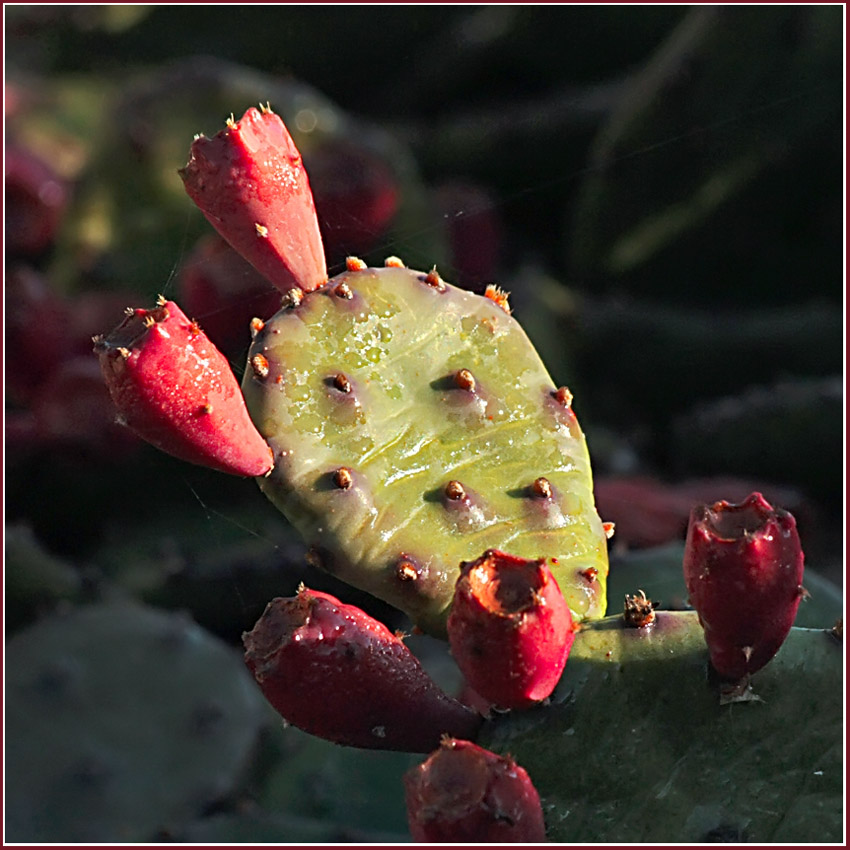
[(510, 629), (225, 292), (333, 671), (743, 569), (173, 388), (464, 793), (37, 332), (357, 196), (474, 232), (250, 183), (36, 200)]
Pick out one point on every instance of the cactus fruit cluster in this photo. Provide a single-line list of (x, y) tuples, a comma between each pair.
[(412, 435)]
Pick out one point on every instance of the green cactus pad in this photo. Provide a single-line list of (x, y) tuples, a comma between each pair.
[(123, 723), (636, 746), (413, 424)]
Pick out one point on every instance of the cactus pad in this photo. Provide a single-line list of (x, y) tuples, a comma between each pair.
[(124, 723), (413, 427), (636, 746)]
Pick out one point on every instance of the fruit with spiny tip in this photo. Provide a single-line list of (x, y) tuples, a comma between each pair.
[(250, 183), (174, 389), (454, 438)]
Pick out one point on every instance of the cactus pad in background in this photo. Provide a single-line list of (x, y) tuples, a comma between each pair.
[(123, 722), (414, 426)]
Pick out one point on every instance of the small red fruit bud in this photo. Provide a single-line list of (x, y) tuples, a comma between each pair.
[(510, 629), (333, 671), (249, 181), (743, 569), (175, 389), (464, 793)]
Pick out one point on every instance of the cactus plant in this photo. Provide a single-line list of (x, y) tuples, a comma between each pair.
[(412, 427), (117, 702)]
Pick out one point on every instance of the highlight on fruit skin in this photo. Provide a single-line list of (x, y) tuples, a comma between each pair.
[(250, 183), (465, 793), (173, 388), (743, 569), (510, 629), (334, 671)]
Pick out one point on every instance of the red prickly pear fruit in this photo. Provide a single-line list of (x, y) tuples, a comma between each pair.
[(173, 388), (357, 196), (250, 183), (333, 671), (32, 305), (510, 629), (464, 793), (36, 200), (474, 232), (225, 292), (743, 569)]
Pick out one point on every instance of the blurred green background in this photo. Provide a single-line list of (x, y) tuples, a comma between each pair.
[(660, 188)]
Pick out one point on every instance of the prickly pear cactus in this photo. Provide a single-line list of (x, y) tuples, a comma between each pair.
[(636, 746), (123, 723), (413, 427)]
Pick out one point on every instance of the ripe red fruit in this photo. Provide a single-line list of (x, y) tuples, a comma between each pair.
[(743, 569), (174, 389), (510, 629), (250, 183), (34, 313), (357, 195), (36, 200), (464, 793), (333, 671)]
